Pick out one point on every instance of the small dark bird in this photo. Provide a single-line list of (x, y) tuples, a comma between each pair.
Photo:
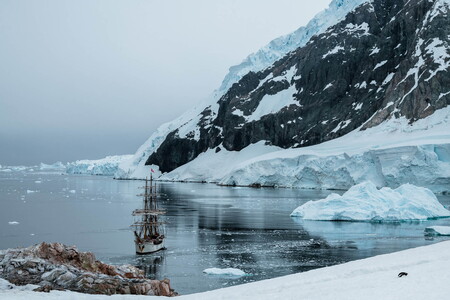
[(401, 274)]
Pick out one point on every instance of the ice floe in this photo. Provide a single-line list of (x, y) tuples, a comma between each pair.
[(226, 271)]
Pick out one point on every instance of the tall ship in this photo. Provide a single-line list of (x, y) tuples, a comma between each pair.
[(149, 230)]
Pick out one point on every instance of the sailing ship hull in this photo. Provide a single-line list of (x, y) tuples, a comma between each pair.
[(149, 247)]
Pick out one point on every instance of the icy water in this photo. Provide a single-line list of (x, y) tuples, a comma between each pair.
[(209, 226)]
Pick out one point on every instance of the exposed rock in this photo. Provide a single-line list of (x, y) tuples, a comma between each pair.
[(55, 266)]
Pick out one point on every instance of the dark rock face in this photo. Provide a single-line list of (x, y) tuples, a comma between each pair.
[(387, 58), (59, 267)]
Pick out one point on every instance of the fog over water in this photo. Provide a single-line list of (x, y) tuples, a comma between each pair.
[(86, 79)]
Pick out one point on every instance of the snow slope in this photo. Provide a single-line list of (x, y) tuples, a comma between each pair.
[(364, 202), (135, 167), (370, 279), (390, 154), (105, 166)]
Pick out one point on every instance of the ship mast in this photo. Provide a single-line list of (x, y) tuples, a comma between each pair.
[(148, 227)]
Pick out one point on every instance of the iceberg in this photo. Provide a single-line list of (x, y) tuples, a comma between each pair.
[(365, 203), (106, 166), (437, 230), (226, 271)]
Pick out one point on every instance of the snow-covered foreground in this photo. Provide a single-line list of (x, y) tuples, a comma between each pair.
[(364, 202), (372, 278), (106, 166), (390, 154)]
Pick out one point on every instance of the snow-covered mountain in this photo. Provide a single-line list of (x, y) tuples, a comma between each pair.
[(261, 59), (384, 64)]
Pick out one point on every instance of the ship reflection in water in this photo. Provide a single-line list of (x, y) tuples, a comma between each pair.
[(150, 264)]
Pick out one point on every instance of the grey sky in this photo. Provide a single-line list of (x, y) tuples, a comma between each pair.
[(85, 78)]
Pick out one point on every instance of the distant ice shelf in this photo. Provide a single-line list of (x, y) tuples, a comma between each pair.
[(106, 166)]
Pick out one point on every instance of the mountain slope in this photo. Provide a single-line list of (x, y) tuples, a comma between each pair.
[(387, 58), (263, 58)]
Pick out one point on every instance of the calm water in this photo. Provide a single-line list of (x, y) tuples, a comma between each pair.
[(209, 226)]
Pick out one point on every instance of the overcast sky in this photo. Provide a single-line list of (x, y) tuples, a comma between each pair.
[(89, 78)]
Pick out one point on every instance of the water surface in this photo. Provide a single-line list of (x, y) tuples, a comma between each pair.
[(208, 226)]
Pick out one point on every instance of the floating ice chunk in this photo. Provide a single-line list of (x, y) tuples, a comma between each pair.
[(364, 202), (226, 271), (437, 230), (72, 191), (13, 223), (30, 191), (38, 181)]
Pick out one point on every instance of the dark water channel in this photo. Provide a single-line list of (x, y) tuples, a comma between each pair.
[(208, 226)]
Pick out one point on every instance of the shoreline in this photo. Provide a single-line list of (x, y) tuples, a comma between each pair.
[(371, 278)]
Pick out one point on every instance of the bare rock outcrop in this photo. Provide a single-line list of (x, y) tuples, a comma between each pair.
[(54, 266)]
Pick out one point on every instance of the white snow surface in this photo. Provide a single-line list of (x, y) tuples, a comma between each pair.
[(186, 124), (437, 230), (369, 279), (106, 166), (225, 271), (365, 203), (390, 154)]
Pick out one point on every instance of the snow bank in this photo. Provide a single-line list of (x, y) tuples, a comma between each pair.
[(364, 202), (106, 166), (437, 230), (226, 271)]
